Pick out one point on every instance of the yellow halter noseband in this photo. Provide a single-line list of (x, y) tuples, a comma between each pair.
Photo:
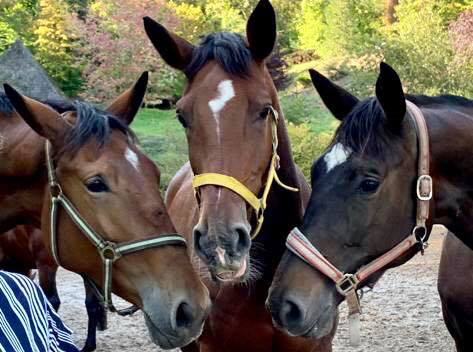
[(258, 204)]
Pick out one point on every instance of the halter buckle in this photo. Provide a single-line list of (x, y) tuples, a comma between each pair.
[(422, 182), (109, 251), (347, 284)]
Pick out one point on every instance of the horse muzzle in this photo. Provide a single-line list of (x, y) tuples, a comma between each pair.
[(175, 321), (301, 317)]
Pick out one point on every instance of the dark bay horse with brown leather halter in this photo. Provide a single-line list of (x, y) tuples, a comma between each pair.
[(238, 145), (22, 249), (98, 202), (372, 205)]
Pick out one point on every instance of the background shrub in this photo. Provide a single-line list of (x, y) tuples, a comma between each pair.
[(307, 146)]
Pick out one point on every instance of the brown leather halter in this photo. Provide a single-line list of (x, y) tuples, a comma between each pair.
[(109, 251), (347, 283)]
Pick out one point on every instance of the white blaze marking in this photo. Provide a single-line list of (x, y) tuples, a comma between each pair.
[(336, 156), (131, 156), (225, 93)]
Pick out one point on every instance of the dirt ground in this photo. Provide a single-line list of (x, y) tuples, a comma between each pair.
[(401, 314)]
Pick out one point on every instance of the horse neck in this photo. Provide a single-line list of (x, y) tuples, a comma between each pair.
[(22, 173), (450, 131)]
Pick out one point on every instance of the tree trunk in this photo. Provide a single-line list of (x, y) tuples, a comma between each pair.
[(390, 11)]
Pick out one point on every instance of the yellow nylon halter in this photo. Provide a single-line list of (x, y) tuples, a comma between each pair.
[(258, 204)]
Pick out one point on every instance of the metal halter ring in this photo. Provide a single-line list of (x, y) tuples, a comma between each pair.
[(419, 235), (55, 190), (346, 284), (109, 252)]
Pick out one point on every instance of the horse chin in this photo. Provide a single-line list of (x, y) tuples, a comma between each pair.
[(166, 341), (322, 327), (223, 274)]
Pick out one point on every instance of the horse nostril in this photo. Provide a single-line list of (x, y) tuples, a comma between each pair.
[(290, 314), (198, 239), (242, 240), (184, 316)]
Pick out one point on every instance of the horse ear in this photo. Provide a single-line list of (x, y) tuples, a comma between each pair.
[(261, 30), (390, 95), (44, 120), (128, 103), (175, 51), (335, 98)]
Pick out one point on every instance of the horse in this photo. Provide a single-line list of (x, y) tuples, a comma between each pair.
[(17, 254), (22, 249), (237, 147), (81, 177), (365, 191), (456, 293)]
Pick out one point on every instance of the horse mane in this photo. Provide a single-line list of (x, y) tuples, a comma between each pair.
[(5, 105), (92, 122), (228, 49), (447, 99), (364, 130)]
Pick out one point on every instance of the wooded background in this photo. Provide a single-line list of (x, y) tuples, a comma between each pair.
[(95, 49)]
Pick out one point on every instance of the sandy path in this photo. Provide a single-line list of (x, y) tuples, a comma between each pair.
[(401, 314)]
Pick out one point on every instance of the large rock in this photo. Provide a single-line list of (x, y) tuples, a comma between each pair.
[(19, 68)]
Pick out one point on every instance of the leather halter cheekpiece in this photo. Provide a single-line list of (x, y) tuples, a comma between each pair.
[(258, 204), (109, 251), (346, 283)]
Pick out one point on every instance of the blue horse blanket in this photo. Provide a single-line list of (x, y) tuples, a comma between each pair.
[(27, 321)]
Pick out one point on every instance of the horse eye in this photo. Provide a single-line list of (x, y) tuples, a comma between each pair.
[(96, 185), (264, 113), (182, 120), (369, 186)]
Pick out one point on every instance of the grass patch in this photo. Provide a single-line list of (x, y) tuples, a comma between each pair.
[(162, 138)]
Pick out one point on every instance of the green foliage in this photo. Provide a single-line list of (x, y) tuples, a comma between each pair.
[(297, 108), (54, 45), (350, 38), (7, 36), (307, 145), (16, 21), (339, 27), (312, 25), (419, 46), (98, 47)]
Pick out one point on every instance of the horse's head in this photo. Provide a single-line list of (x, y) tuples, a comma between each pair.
[(226, 111), (362, 204), (115, 189)]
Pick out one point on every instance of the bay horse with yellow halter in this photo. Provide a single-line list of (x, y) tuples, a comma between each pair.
[(398, 164), (241, 191), (80, 176)]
